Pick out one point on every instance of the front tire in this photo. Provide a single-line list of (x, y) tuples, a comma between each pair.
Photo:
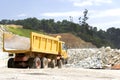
[(44, 63)]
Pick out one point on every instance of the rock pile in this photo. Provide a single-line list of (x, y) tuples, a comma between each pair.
[(94, 58)]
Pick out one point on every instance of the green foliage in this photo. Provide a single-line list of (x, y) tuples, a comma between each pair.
[(113, 36), (21, 31)]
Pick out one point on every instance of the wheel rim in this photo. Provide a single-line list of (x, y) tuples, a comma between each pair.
[(37, 64)]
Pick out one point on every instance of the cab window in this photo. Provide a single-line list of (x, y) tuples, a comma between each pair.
[(64, 46)]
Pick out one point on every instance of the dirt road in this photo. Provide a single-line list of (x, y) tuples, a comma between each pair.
[(58, 74)]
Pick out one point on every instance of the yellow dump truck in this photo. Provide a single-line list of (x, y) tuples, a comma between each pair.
[(38, 51)]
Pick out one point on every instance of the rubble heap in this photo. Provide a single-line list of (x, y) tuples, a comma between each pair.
[(94, 58)]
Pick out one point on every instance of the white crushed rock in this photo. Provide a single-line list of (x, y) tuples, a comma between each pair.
[(93, 58), (16, 42)]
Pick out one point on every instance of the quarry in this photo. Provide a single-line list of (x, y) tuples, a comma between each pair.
[(83, 63)]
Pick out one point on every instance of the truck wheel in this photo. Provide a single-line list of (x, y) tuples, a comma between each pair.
[(10, 63), (30, 63), (59, 63), (51, 64), (44, 62), (37, 63)]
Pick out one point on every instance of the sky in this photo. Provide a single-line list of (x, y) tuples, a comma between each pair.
[(102, 14)]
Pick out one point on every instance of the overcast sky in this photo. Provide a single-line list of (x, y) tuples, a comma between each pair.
[(102, 13)]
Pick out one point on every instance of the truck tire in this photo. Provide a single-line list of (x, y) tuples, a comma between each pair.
[(59, 63), (44, 62), (10, 63), (31, 63), (51, 64), (37, 63)]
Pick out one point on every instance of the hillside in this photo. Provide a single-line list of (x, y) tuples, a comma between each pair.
[(71, 40)]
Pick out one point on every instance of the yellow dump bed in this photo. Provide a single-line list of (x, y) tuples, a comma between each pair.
[(43, 43), (36, 43)]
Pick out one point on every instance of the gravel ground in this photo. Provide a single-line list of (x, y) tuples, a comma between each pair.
[(58, 74)]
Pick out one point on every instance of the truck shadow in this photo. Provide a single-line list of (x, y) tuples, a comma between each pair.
[(36, 74)]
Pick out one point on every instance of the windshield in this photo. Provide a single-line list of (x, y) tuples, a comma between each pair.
[(64, 46)]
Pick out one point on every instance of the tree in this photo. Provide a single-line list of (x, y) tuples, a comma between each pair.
[(82, 21), (85, 18)]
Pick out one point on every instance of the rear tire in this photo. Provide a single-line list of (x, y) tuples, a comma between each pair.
[(44, 63), (51, 64), (37, 63), (10, 63), (31, 63)]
